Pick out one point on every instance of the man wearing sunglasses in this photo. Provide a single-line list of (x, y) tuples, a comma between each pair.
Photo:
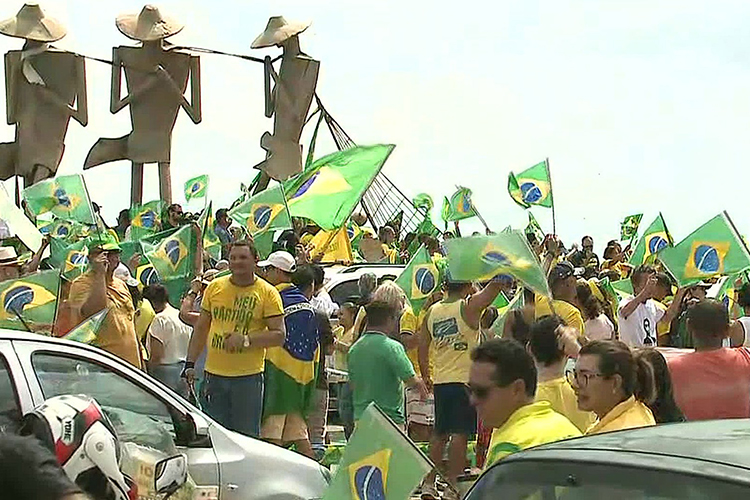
[(502, 382)]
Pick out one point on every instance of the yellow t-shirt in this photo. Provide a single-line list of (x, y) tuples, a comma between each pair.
[(413, 354), (562, 398), (627, 415), (346, 336), (452, 342), (531, 425), (117, 333), (568, 312), (243, 310), (662, 327)]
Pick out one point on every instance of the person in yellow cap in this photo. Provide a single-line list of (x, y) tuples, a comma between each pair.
[(99, 289)]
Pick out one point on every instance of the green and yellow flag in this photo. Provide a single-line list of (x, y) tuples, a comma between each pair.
[(62, 229), (713, 249), (423, 201), (72, 259), (481, 258), (87, 331), (30, 303), (459, 206), (419, 279), (654, 239), (147, 275), (171, 252), (534, 228), (532, 186), (266, 211), (211, 242), (197, 187), (145, 220), (379, 462), (332, 186), (629, 227), (65, 196)]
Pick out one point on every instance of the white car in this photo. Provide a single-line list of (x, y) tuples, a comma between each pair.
[(342, 281), (221, 462)]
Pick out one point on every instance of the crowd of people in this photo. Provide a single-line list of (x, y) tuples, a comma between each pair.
[(254, 339)]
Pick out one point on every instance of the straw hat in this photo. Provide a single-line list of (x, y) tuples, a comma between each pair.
[(147, 26), (32, 24), (278, 30)]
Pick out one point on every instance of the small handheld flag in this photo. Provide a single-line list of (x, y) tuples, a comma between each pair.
[(419, 279), (532, 186), (197, 187), (459, 206), (65, 196), (629, 227), (654, 239)]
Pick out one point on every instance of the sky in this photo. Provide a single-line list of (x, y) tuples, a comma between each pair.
[(640, 106)]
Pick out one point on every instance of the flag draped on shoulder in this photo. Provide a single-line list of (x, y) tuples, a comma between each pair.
[(714, 249), (379, 462), (145, 219), (419, 279), (629, 227), (459, 206), (88, 330), (197, 187), (65, 196), (266, 211), (481, 258), (654, 239), (30, 303), (331, 187), (532, 186)]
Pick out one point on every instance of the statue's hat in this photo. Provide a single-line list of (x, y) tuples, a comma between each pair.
[(278, 30), (148, 25), (31, 23)]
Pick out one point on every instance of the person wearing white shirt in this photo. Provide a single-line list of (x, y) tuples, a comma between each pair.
[(168, 338), (638, 316)]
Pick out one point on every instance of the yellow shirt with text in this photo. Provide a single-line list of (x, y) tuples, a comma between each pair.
[(241, 309), (452, 342)]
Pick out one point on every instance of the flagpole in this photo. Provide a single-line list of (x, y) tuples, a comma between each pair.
[(552, 198), (479, 216)]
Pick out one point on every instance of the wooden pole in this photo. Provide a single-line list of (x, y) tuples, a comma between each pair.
[(552, 198), (136, 188)]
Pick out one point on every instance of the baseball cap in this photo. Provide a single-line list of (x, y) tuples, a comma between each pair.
[(561, 271), (280, 260), (105, 242), (123, 273)]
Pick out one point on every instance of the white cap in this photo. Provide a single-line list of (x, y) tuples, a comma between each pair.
[(280, 260), (122, 272)]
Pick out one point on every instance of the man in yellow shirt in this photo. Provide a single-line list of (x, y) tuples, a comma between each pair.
[(502, 382), (98, 289), (562, 283), (241, 316)]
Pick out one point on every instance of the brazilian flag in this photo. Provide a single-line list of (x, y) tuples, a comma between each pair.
[(714, 249), (72, 259), (481, 258), (171, 252), (145, 219), (459, 206), (419, 279), (211, 242), (266, 211), (654, 239), (65, 196), (30, 303), (533, 227), (379, 462), (532, 186), (629, 227), (197, 187), (63, 229), (87, 331)]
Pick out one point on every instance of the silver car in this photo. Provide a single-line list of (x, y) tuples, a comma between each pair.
[(222, 463)]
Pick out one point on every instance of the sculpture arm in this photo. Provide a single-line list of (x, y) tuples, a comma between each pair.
[(11, 70), (193, 110), (115, 103), (81, 115)]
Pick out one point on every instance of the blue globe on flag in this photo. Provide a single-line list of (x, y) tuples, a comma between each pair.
[(425, 281), (496, 258), (306, 185), (17, 298), (62, 197), (706, 259), (369, 483), (530, 192), (262, 216), (656, 243), (172, 249)]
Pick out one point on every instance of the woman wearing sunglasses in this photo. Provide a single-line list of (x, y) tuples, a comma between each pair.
[(615, 385)]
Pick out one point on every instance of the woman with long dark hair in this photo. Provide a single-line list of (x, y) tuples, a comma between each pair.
[(663, 407)]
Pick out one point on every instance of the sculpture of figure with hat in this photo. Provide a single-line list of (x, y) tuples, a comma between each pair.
[(42, 87), (289, 100), (157, 79)]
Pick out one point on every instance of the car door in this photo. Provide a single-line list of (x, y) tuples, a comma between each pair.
[(15, 399), (142, 410)]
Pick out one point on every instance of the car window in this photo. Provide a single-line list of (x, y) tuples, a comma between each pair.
[(344, 291), (10, 411), (561, 480), (138, 416)]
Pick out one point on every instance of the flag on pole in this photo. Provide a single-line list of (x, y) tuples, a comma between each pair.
[(65, 196), (266, 211), (197, 187), (423, 201), (629, 227), (654, 239), (332, 186), (71, 259), (533, 227), (145, 219), (88, 330), (715, 248), (459, 206), (419, 279), (30, 303), (211, 242), (532, 186), (481, 258), (62, 229), (379, 462), (171, 252)]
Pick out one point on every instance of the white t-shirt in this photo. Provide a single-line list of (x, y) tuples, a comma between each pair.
[(600, 328), (639, 329), (173, 334)]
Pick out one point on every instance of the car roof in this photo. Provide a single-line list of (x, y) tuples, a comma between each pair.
[(37, 337), (724, 442), (338, 274)]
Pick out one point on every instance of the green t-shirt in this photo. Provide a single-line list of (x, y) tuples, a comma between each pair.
[(378, 365)]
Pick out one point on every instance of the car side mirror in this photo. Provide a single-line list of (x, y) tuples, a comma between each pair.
[(170, 474)]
